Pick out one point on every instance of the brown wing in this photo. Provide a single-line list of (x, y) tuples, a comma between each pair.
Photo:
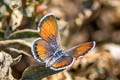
[(62, 63), (80, 50), (41, 50)]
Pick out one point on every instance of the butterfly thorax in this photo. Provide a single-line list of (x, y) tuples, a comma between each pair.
[(58, 53), (54, 57)]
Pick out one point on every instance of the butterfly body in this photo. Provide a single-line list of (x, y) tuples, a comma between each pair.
[(47, 49), (58, 54)]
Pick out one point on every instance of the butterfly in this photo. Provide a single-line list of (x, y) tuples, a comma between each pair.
[(47, 49)]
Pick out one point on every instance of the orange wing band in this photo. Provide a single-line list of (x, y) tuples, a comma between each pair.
[(62, 62), (83, 49), (48, 28)]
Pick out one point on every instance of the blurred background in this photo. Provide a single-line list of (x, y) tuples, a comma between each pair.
[(79, 21)]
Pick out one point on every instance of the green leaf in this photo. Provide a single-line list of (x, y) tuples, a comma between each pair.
[(16, 47), (27, 34), (37, 72), (1, 34)]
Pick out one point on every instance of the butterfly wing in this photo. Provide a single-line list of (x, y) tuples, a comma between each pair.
[(67, 59), (62, 63), (80, 50), (41, 50), (48, 30)]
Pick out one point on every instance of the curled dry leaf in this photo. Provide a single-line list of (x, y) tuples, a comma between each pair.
[(16, 48), (5, 63), (15, 4), (30, 10), (16, 19), (16, 60)]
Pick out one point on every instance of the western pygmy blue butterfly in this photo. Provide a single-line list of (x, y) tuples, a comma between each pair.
[(47, 48)]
